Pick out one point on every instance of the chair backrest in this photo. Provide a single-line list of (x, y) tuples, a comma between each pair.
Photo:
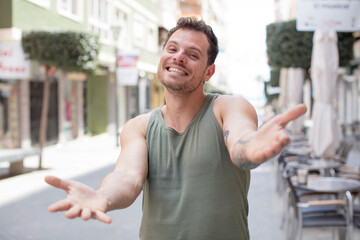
[(344, 149)]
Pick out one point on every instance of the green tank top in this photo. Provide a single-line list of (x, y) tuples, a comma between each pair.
[(193, 191)]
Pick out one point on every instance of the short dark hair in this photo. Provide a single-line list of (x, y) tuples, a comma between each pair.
[(192, 23)]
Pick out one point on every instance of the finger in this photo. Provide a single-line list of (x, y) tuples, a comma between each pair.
[(61, 205), (86, 214), (73, 212), (101, 216), (283, 139), (292, 114), (57, 182)]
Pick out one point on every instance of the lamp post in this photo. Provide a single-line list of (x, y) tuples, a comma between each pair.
[(116, 31)]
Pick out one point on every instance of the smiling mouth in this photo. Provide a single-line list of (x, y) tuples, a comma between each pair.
[(170, 69)]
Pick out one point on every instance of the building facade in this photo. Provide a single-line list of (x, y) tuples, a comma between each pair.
[(131, 35), (79, 104)]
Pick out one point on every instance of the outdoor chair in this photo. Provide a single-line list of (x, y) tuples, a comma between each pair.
[(345, 171), (316, 213), (282, 169), (342, 152), (301, 193), (357, 215)]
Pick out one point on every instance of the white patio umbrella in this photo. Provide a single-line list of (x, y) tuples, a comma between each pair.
[(325, 135), (295, 81)]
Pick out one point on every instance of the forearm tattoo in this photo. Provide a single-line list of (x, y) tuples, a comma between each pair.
[(238, 152)]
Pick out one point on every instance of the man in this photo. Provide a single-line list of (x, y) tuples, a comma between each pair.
[(191, 157)]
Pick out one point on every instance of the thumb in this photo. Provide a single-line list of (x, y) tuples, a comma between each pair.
[(57, 182)]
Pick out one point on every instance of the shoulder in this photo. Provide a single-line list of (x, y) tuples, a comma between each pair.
[(226, 105), (137, 125), (225, 99)]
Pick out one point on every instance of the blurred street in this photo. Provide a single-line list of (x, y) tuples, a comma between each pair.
[(25, 198)]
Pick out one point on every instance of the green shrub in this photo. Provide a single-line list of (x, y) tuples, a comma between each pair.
[(287, 47), (70, 51)]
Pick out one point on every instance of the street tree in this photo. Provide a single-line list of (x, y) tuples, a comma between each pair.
[(68, 51)]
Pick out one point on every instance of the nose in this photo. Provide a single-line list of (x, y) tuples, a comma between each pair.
[(179, 57)]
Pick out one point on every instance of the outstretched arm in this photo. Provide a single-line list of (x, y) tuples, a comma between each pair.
[(119, 189), (249, 146)]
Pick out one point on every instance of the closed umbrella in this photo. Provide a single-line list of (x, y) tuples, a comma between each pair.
[(295, 80), (325, 135)]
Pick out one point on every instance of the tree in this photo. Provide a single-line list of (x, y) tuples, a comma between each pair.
[(68, 51)]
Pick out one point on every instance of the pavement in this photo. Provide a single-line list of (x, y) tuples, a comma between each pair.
[(24, 198)]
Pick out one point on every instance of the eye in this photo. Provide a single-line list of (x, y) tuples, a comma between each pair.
[(193, 56), (171, 49)]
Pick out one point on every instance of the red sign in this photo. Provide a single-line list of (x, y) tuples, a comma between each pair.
[(13, 64), (127, 60)]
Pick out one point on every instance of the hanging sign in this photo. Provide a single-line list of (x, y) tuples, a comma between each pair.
[(338, 15), (126, 70), (13, 64)]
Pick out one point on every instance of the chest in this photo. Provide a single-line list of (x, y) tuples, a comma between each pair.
[(199, 150)]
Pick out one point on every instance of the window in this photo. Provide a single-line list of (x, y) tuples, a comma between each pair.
[(139, 31), (42, 3), (122, 20), (99, 19), (71, 9), (151, 43)]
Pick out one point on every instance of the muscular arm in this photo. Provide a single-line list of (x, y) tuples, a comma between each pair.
[(249, 146), (119, 189), (122, 186), (238, 120)]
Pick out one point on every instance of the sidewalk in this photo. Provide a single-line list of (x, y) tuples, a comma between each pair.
[(73, 159), (25, 198)]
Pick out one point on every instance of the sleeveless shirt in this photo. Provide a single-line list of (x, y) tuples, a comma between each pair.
[(193, 191)]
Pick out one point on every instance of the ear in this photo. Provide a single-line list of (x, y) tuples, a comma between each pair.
[(209, 72)]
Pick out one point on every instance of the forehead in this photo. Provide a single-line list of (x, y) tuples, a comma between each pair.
[(190, 38)]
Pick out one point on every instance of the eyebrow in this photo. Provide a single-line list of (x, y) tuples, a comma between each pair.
[(192, 48)]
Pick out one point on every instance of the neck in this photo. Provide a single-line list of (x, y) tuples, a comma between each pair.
[(179, 111)]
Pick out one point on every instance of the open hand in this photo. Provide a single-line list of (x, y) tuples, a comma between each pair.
[(271, 138), (81, 201)]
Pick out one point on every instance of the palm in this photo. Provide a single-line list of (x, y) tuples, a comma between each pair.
[(271, 138), (84, 196), (81, 201)]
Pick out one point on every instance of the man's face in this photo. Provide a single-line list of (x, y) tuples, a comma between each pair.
[(183, 62)]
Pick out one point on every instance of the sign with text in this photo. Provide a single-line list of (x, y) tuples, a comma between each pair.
[(126, 70), (13, 64), (338, 15)]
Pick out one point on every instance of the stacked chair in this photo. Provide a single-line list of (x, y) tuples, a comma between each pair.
[(311, 209), (331, 212)]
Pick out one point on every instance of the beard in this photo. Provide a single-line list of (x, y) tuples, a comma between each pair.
[(180, 89)]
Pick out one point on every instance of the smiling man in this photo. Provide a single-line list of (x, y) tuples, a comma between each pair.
[(191, 157)]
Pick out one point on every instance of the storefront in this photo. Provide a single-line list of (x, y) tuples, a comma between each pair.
[(13, 67)]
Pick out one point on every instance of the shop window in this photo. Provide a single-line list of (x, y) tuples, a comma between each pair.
[(9, 115), (4, 108)]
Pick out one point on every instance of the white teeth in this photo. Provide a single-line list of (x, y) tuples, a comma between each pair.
[(177, 71)]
